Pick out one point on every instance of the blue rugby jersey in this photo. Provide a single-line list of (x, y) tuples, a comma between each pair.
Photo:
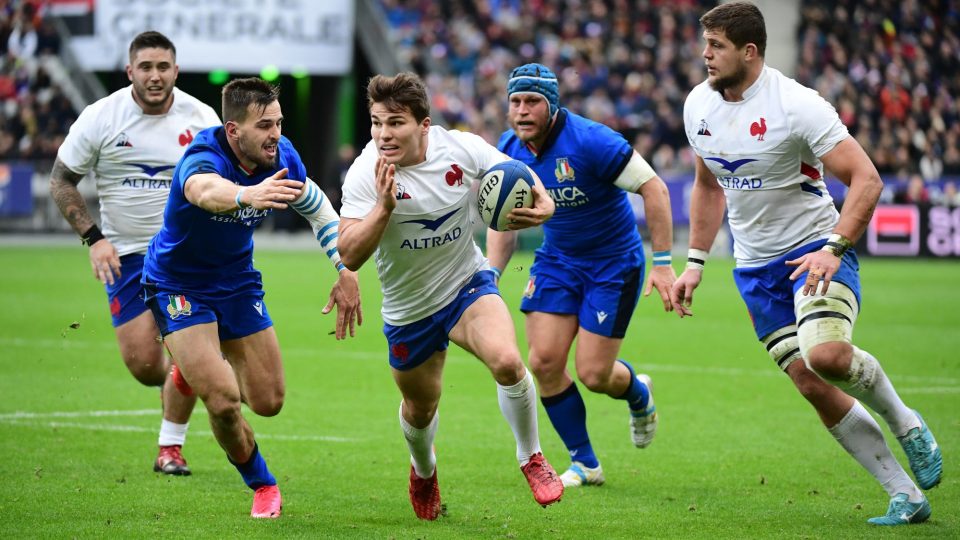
[(205, 253), (578, 164)]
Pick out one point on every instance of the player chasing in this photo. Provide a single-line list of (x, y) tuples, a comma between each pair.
[(202, 288), (585, 279), (406, 198), (796, 269), (131, 140)]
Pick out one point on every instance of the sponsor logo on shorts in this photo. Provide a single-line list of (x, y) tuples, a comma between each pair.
[(259, 307), (601, 316), (178, 306)]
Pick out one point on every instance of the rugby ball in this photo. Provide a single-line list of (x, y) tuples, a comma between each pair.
[(505, 186)]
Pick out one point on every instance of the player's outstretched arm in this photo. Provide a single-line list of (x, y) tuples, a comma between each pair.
[(656, 205), (851, 165), (707, 204), (104, 260), (218, 195), (359, 238)]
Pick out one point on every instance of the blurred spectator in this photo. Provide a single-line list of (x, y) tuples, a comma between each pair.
[(914, 193), (893, 70), (623, 63), (34, 113), (950, 195)]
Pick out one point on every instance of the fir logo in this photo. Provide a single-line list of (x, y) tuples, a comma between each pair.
[(531, 287), (564, 171), (178, 306)]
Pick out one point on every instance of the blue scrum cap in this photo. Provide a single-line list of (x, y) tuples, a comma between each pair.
[(536, 79)]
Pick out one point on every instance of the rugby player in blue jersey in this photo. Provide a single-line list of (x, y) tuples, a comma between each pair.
[(200, 283), (585, 279), (762, 142)]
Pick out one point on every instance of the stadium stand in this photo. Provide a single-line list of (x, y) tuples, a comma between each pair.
[(892, 69)]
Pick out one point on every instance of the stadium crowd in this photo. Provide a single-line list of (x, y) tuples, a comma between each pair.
[(35, 115), (890, 68)]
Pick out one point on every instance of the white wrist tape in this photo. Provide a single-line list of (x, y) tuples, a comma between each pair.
[(697, 258), (316, 208), (635, 174)]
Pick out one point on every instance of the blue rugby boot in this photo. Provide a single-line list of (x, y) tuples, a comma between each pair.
[(922, 451), (903, 512)]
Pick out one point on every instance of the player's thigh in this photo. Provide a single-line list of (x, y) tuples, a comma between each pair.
[(595, 356), (258, 366), (549, 338), (486, 330), (421, 387), (197, 352), (141, 349)]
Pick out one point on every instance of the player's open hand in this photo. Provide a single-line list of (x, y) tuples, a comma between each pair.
[(819, 266), (542, 210), (386, 184), (346, 296), (681, 294), (104, 261), (273, 192), (662, 278)]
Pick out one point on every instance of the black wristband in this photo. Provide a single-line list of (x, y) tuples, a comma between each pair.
[(92, 236)]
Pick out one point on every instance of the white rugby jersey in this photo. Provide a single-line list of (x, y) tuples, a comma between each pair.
[(765, 153), (132, 156), (427, 253)]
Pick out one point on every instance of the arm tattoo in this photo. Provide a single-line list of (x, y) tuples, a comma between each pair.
[(63, 188)]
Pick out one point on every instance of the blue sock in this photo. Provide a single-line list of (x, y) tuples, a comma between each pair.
[(568, 415), (254, 471), (637, 394)]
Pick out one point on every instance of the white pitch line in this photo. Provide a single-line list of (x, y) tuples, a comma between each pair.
[(458, 356)]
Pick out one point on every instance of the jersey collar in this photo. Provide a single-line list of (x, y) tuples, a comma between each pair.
[(757, 84)]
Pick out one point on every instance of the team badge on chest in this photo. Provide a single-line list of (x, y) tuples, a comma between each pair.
[(564, 171)]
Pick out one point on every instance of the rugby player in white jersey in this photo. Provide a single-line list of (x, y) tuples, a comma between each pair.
[(406, 200), (131, 140), (762, 141)]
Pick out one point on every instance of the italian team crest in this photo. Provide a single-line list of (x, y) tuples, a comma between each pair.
[(178, 306), (564, 171)]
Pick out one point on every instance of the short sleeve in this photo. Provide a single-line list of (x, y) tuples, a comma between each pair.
[(80, 150), (816, 122), (483, 153), (609, 151), (202, 161)]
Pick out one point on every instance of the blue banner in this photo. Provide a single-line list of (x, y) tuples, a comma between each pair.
[(16, 196)]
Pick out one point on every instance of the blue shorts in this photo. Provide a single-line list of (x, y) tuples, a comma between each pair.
[(602, 293), (412, 344), (125, 296), (768, 291), (236, 316)]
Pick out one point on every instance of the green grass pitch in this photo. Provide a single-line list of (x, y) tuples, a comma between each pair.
[(739, 454)]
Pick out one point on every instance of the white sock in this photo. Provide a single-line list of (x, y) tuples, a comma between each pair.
[(867, 382), (518, 403), (172, 434), (420, 443), (859, 434)]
